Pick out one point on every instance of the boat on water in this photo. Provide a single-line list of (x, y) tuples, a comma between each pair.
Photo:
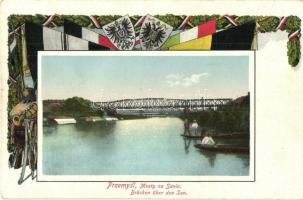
[(216, 136), (107, 118), (230, 135), (225, 148), (68, 120), (93, 119), (193, 136), (65, 120)]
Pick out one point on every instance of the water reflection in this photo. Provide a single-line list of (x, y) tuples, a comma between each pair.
[(132, 147), (244, 159), (186, 144), (211, 157), (49, 130), (99, 129)]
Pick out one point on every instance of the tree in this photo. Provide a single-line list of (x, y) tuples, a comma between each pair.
[(75, 107)]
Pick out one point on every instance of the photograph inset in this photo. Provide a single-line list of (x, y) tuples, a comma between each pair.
[(146, 115)]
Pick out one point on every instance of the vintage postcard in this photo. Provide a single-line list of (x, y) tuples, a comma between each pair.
[(151, 99), (145, 114)]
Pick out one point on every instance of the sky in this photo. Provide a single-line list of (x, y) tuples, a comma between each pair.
[(105, 78)]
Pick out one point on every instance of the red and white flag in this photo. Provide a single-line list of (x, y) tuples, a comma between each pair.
[(73, 29)]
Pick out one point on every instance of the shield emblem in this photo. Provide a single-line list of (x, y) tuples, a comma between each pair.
[(153, 33), (121, 33)]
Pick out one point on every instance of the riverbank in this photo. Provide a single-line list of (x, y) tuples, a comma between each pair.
[(69, 120)]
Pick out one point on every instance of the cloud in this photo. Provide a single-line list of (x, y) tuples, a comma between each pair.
[(177, 80), (193, 79), (173, 80)]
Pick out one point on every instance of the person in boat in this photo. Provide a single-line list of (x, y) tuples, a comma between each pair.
[(208, 140), (194, 127), (186, 127)]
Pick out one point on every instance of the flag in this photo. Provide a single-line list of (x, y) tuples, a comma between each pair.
[(203, 29), (203, 43), (39, 38), (121, 33), (153, 33), (73, 29), (235, 38), (13, 53), (13, 59)]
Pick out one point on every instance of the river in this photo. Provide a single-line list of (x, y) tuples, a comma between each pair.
[(150, 146)]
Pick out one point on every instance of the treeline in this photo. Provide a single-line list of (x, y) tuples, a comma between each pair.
[(232, 118), (72, 107)]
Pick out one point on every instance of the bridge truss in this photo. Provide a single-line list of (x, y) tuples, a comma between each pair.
[(162, 103)]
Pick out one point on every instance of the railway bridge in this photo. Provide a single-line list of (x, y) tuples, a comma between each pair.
[(161, 103)]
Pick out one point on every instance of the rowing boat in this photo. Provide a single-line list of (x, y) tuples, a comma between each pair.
[(224, 148), (193, 136), (229, 135)]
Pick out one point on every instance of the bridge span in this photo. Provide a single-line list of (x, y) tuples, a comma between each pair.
[(162, 103)]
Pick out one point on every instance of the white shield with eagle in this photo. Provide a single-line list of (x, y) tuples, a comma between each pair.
[(121, 33), (153, 33)]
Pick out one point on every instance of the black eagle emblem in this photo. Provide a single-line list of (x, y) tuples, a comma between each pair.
[(153, 33), (121, 33), (152, 36)]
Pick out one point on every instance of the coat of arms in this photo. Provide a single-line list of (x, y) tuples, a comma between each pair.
[(121, 32), (154, 33)]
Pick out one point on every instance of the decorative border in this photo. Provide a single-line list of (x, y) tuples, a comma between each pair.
[(265, 24)]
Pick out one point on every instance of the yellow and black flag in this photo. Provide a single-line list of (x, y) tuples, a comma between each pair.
[(235, 38)]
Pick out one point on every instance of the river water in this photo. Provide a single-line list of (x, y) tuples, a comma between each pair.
[(150, 146)]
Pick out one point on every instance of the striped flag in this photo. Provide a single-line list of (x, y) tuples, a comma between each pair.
[(13, 51), (73, 29), (13, 60), (236, 38), (39, 38), (193, 33)]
